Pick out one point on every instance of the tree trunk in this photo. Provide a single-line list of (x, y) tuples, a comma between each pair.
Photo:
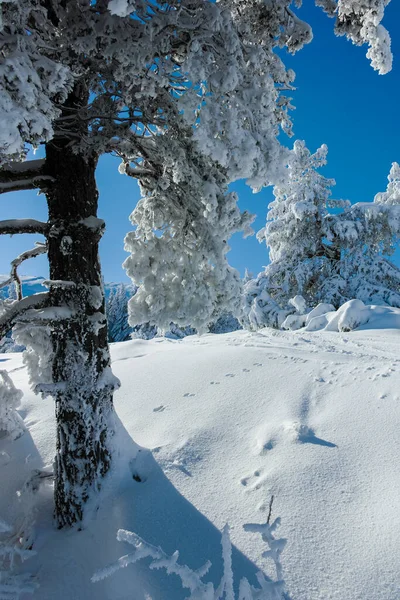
[(83, 384)]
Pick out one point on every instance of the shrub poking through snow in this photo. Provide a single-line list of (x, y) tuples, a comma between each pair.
[(268, 589), (10, 397), (12, 584)]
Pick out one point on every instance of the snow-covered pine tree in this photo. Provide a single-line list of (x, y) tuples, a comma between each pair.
[(300, 259), (173, 91), (367, 234), (322, 257)]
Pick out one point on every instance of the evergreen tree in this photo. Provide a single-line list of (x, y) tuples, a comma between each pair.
[(319, 256), (367, 234), (300, 259)]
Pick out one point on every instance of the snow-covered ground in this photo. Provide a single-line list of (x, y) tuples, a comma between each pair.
[(309, 417)]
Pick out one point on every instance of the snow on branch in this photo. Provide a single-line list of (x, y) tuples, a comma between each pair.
[(40, 248), (13, 226), (193, 580), (13, 310), (28, 175)]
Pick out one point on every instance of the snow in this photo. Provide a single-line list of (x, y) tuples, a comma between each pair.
[(224, 422)]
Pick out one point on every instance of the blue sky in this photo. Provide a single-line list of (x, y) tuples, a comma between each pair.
[(340, 100)]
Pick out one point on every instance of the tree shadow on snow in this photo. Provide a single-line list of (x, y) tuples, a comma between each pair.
[(155, 510), (137, 496)]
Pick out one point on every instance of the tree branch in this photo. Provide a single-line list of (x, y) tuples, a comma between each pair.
[(36, 251), (17, 308), (28, 175), (12, 226)]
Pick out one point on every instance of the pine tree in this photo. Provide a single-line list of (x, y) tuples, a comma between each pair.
[(367, 234), (300, 259), (324, 257)]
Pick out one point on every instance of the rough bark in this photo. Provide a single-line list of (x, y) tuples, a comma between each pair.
[(83, 384)]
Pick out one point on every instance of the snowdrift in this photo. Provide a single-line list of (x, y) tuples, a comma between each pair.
[(352, 315)]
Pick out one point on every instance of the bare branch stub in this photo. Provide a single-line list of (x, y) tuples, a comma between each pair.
[(14, 226), (29, 175), (39, 249), (270, 509)]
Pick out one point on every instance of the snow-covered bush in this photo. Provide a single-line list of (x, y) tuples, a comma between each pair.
[(267, 589), (350, 316), (12, 553), (10, 397)]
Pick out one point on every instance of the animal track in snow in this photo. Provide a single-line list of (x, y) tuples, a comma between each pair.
[(258, 364), (253, 481), (267, 446), (230, 375), (215, 382), (160, 408), (246, 370), (188, 395)]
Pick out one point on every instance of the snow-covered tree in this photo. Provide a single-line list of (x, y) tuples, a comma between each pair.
[(173, 90), (367, 234), (300, 259), (319, 256)]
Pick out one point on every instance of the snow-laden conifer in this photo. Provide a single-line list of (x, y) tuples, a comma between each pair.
[(300, 259), (322, 256)]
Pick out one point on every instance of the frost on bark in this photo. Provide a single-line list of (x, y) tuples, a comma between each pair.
[(82, 382)]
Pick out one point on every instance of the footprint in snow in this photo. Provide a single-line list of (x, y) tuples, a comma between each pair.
[(253, 482), (246, 370), (230, 375), (258, 364), (215, 382), (160, 408), (188, 395)]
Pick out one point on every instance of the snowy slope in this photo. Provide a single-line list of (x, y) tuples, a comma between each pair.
[(310, 417)]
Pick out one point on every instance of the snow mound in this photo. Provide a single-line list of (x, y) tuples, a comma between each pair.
[(352, 315)]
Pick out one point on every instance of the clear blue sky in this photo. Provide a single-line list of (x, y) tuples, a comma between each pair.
[(339, 101)]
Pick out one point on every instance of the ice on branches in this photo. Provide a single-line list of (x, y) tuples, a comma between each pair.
[(10, 421), (267, 589)]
